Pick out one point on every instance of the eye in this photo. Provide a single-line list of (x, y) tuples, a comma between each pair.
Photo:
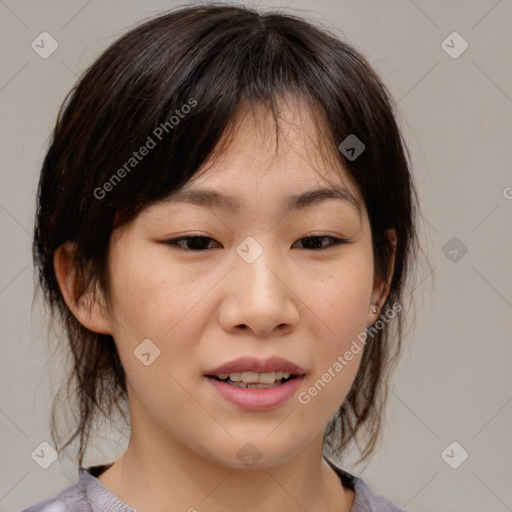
[(200, 243), (315, 241)]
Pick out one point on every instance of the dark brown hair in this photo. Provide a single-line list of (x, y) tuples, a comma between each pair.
[(214, 59)]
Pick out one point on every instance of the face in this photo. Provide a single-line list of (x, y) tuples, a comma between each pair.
[(265, 281)]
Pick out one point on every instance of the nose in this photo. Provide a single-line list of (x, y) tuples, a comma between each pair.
[(259, 298)]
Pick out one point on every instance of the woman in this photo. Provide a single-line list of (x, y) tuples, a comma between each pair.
[(225, 223)]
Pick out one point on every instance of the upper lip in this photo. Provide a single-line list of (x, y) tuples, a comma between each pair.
[(252, 364)]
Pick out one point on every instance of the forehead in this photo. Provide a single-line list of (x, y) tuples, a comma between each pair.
[(298, 164)]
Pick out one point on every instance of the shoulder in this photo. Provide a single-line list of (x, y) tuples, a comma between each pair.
[(87, 495), (65, 501), (51, 505), (366, 501), (364, 498), (73, 498)]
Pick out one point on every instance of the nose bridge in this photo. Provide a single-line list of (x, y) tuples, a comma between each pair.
[(260, 298), (257, 266)]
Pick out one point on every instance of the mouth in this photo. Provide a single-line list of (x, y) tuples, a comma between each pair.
[(253, 380), (252, 373), (255, 384), (256, 396)]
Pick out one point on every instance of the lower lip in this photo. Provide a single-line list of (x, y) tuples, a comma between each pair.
[(254, 399)]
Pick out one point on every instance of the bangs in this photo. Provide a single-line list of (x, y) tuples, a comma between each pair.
[(163, 106)]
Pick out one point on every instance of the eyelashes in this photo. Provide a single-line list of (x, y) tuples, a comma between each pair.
[(334, 241), (313, 242)]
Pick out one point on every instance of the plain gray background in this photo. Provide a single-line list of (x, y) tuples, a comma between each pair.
[(453, 382)]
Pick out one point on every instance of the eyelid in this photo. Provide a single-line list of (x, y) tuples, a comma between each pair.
[(335, 241)]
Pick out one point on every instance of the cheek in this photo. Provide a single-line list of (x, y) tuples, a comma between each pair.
[(152, 300), (340, 302), (336, 355), (148, 294), (340, 297)]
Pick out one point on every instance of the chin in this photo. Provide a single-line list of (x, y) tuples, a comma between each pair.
[(253, 452)]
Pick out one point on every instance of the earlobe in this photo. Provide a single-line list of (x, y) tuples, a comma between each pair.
[(86, 308)]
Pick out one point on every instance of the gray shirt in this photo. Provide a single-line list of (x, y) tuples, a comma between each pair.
[(90, 495)]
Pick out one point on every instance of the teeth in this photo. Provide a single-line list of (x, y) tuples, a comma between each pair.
[(254, 386), (250, 377), (255, 378)]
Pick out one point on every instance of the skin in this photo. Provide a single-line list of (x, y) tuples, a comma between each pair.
[(205, 308)]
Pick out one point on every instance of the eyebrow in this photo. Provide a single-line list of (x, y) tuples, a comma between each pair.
[(231, 204)]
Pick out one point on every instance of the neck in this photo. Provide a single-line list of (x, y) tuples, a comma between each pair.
[(158, 469)]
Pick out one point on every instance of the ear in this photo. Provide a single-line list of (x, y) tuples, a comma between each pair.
[(381, 287), (89, 311)]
